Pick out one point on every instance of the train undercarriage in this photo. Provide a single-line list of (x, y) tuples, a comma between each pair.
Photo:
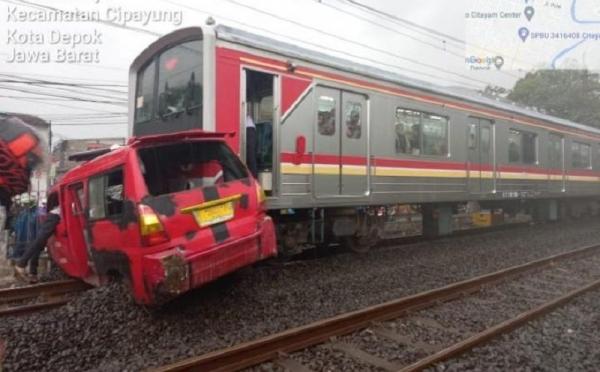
[(360, 229)]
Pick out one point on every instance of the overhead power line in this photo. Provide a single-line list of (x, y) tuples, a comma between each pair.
[(442, 46), (111, 94), (72, 98), (33, 4), (65, 78), (363, 45), (55, 104), (412, 25), (320, 46)]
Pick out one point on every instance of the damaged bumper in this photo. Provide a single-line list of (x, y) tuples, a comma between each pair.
[(179, 269)]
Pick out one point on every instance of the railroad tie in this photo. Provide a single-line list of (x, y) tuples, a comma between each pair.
[(363, 356)]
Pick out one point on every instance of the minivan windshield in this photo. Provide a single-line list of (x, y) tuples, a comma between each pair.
[(183, 166)]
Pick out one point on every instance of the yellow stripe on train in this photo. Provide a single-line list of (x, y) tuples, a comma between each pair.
[(357, 170)]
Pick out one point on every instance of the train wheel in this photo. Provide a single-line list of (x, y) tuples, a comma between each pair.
[(356, 244)]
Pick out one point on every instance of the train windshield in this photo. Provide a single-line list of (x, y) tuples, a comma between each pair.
[(169, 91)]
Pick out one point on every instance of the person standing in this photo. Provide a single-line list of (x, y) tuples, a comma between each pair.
[(33, 251), (251, 142)]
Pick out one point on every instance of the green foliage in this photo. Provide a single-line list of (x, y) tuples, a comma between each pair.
[(569, 94)]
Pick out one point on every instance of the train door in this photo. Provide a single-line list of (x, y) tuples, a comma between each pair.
[(556, 163), (480, 167), (341, 144), (259, 93)]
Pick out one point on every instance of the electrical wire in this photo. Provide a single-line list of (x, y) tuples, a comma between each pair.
[(412, 25), (363, 45), (412, 37), (124, 102), (32, 4), (320, 46)]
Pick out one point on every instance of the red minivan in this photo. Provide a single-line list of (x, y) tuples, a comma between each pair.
[(166, 213)]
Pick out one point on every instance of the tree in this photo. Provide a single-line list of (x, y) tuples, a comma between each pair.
[(569, 94)]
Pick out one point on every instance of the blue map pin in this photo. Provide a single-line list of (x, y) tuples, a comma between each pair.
[(523, 33)]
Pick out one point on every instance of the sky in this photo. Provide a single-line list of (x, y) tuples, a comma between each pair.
[(337, 27)]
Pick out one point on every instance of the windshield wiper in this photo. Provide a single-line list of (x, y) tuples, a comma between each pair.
[(189, 109), (172, 112)]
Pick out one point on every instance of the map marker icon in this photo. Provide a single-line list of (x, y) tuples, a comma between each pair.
[(523, 33), (499, 62), (529, 12)]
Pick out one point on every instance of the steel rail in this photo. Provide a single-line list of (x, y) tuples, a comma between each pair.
[(498, 330), (32, 308), (269, 348), (51, 292), (8, 295)]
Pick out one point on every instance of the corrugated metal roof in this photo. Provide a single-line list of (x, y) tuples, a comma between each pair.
[(275, 46)]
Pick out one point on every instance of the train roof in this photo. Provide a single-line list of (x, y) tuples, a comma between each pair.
[(237, 36)]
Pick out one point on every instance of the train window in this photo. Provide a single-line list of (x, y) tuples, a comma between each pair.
[(555, 151), (522, 147), (106, 195), (420, 133), (472, 136), (408, 132), (180, 80), (514, 146), (326, 116), (435, 136), (529, 148), (581, 155), (144, 102), (486, 140), (353, 120)]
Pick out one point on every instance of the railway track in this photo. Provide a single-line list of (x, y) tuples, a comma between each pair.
[(38, 297), (549, 284)]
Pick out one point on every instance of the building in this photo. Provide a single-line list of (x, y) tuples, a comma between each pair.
[(61, 152)]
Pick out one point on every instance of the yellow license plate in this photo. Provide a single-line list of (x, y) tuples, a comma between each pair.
[(216, 214)]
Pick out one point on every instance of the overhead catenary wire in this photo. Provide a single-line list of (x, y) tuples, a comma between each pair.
[(444, 47), (413, 25), (320, 46), (363, 45), (103, 22)]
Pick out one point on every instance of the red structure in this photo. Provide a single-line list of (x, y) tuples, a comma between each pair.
[(20, 152), (167, 213)]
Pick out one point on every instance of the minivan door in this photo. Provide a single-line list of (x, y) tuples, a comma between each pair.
[(75, 251)]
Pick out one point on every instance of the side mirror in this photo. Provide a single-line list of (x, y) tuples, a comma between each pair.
[(300, 149)]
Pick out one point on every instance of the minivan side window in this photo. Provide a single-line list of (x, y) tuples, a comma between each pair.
[(106, 195)]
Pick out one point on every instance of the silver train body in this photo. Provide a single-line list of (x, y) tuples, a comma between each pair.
[(339, 142)]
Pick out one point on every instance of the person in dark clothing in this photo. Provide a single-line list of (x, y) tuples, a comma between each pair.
[(33, 251), (251, 143)]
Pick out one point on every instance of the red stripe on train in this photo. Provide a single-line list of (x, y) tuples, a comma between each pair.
[(424, 164)]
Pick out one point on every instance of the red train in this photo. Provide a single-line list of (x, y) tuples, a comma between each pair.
[(165, 213)]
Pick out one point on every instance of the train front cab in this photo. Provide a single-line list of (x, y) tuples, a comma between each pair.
[(167, 213)]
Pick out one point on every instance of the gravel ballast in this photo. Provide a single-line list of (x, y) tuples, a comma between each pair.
[(565, 340), (102, 329)]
